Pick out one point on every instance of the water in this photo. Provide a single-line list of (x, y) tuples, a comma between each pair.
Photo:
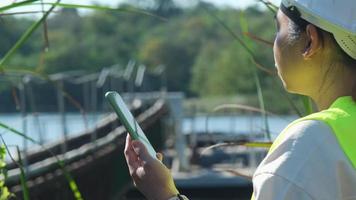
[(46, 124), (49, 125), (237, 124)]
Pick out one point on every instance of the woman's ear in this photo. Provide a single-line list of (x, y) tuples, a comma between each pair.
[(313, 42)]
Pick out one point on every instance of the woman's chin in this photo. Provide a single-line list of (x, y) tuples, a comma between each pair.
[(294, 91), (289, 88), (292, 88)]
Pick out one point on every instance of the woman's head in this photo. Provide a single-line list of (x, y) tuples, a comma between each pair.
[(307, 57)]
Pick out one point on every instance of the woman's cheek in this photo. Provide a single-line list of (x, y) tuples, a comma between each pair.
[(276, 52), (278, 58)]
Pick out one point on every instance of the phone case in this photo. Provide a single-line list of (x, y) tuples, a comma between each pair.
[(128, 120)]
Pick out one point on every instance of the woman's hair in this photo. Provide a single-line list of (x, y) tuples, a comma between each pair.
[(294, 33)]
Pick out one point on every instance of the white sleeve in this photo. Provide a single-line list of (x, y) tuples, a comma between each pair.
[(273, 187)]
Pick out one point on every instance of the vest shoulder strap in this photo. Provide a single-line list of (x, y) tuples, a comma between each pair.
[(341, 117)]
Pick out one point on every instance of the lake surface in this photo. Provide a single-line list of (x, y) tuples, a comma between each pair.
[(48, 126), (236, 124)]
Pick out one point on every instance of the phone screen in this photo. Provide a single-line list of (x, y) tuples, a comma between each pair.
[(128, 120)]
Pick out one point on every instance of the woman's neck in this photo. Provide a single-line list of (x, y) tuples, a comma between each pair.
[(325, 102), (339, 86)]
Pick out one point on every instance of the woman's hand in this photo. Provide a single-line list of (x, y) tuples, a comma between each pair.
[(149, 175)]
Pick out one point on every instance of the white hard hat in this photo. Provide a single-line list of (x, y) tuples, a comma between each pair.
[(335, 16)]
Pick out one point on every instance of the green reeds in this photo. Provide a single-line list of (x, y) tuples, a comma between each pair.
[(8, 128), (244, 27), (16, 5), (240, 143), (25, 35), (103, 8), (4, 191), (247, 47), (25, 191), (307, 105), (266, 145), (269, 5), (72, 184), (246, 44)]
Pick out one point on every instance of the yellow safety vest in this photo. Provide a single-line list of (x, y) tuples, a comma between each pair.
[(341, 117)]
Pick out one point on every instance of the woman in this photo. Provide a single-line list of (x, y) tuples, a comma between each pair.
[(315, 156)]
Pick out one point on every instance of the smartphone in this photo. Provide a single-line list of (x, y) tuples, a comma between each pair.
[(127, 119)]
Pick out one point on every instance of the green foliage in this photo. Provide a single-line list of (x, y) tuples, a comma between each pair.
[(307, 105), (24, 37), (230, 74), (16, 5), (244, 27), (25, 192), (71, 182), (4, 191), (200, 56)]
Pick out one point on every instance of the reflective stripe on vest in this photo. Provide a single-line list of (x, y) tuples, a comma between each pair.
[(341, 117)]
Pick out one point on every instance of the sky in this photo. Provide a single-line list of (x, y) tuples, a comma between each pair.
[(114, 3)]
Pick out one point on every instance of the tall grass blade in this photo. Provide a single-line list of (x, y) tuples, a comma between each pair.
[(258, 39), (238, 39), (72, 184), (272, 72), (105, 8), (231, 32), (45, 77), (25, 191), (16, 5), (252, 57), (8, 128), (242, 107), (262, 106), (270, 6), (266, 145), (4, 191), (244, 27), (22, 13), (45, 30), (307, 105), (24, 38), (234, 172), (238, 107)]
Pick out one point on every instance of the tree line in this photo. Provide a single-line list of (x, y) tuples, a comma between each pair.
[(195, 45)]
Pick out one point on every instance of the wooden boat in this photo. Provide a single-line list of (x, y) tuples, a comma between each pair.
[(98, 167)]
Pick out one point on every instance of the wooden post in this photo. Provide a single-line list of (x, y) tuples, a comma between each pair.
[(22, 90), (31, 96), (94, 108), (61, 106)]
